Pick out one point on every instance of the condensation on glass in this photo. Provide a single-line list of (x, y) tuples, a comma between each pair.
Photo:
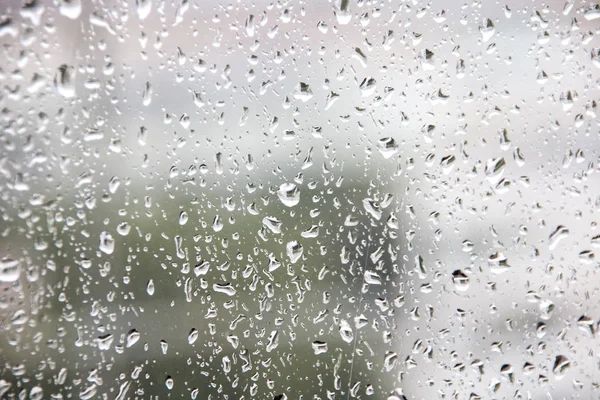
[(299, 199)]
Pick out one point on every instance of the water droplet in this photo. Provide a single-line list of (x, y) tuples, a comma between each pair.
[(319, 347), (123, 229), (390, 360), (70, 8), (373, 208), (150, 287), (367, 86), (273, 224), (193, 336), (498, 263), (461, 280), (147, 94), (346, 331), (107, 243), (224, 288), (494, 169), (592, 12), (547, 307), (342, 12), (487, 30), (289, 194), (273, 341), (294, 251), (556, 236), (303, 92), (586, 324), (183, 218), (9, 270), (372, 278), (169, 383), (105, 341), (64, 81), (561, 365), (132, 337), (143, 8), (387, 147), (88, 393)]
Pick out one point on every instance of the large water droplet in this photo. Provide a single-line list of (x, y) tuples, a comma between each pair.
[(107, 243), (64, 81), (132, 337), (294, 251), (289, 194), (9, 270), (346, 331), (487, 30), (143, 8), (387, 147)]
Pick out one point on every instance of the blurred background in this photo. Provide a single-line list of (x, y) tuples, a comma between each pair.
[(299, 199)]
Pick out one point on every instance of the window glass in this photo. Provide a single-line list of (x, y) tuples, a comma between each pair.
[(299, 199)]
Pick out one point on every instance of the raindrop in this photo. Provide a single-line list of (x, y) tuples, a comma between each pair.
[(64, 81), (107, 243), (105, 341), (9, 270), (592, 12), (132, 337), (147, 94), (289, 194), (303, 92), (561, 366), (342, 12), (224, 288), (556, 236), (494, 169), (487, 30), (169, 383), (294, 251), (193, 336), (319, 347), (346, 332), (387, 147), (70, 8), (273, 224), (461, 280), (150, 287), (143, 8)]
